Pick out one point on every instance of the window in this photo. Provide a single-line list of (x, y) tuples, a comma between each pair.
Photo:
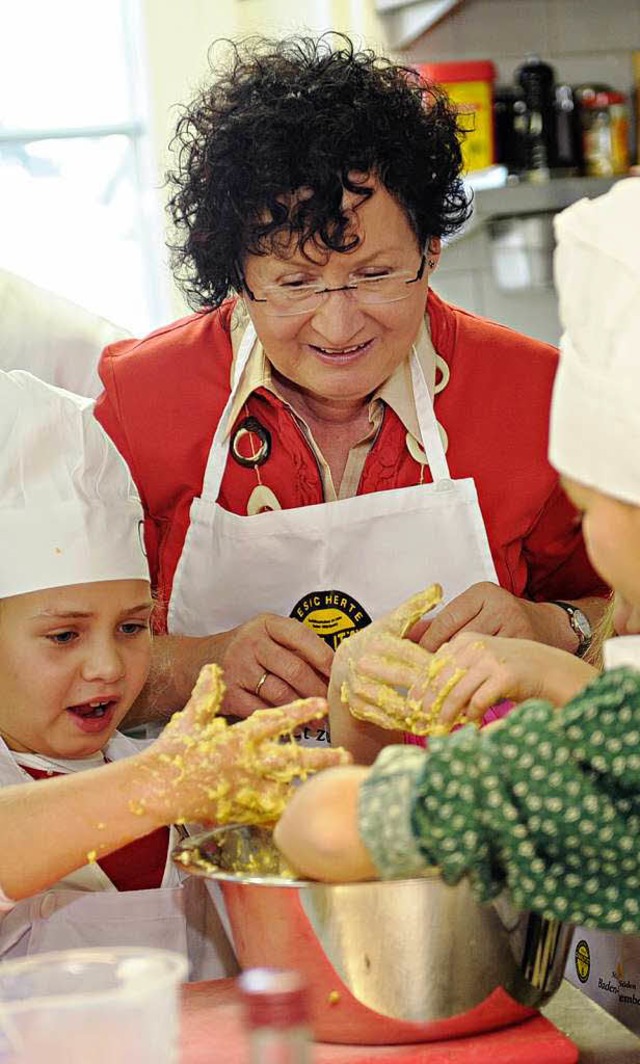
[(79, 213)]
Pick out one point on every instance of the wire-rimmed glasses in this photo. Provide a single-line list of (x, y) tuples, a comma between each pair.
[(286, 300)]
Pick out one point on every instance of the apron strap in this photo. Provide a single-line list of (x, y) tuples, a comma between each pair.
[(219, 448), (429, 431)]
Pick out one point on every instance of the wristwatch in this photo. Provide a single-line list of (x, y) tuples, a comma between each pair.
[(580, 624)]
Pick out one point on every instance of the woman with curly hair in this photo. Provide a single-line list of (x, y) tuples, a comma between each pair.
[(325, 434)]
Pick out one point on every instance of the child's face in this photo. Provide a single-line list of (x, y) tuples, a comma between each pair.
[(611, 531), (72, 662)]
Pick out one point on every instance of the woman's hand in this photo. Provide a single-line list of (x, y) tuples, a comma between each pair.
[(203, 769), (294, 661), (490, 610)]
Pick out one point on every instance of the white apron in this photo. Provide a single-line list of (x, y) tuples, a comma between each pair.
[(605, 965), (84, 909), (335, 566)]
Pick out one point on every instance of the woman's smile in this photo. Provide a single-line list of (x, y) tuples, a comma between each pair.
[(342, 355)]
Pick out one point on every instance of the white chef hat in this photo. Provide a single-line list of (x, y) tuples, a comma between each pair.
[(595, 412), (69, 511)]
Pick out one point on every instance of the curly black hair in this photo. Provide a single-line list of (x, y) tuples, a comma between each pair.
[(304, 113)]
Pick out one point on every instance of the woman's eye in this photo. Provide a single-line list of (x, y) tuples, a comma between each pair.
[(62, 638), (375, 275), (295, 284)]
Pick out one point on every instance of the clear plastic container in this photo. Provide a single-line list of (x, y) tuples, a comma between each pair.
[(99, 1005)]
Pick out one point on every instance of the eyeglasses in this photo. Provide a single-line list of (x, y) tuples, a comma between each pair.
[(286, 300)]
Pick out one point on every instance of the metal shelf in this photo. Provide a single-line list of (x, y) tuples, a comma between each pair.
[(528, 198)]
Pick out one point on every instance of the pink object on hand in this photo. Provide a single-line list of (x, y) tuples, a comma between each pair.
[(495, 712)]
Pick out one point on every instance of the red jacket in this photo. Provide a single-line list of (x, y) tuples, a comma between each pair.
[(164, 395)]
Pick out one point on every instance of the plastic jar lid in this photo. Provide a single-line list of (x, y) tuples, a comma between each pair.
[(474, 70), (273, 997), (602, 99)]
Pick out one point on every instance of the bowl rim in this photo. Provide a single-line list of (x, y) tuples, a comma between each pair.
[(193, 842)]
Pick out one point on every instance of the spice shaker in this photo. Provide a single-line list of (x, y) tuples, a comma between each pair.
[(568, 133), (276, 1016)]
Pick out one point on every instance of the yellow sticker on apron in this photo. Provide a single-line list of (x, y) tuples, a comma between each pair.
[(333, 615)]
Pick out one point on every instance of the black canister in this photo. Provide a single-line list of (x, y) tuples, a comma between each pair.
[(510, 127), (537, 81)]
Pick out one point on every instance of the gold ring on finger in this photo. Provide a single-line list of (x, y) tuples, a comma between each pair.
[(258, 687)]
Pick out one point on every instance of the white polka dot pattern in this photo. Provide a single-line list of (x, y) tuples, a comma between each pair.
[(547, 803)]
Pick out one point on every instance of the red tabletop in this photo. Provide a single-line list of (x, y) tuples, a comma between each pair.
[(212, 1034)]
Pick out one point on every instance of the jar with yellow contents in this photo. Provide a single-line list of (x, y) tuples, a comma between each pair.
[(605, 134)]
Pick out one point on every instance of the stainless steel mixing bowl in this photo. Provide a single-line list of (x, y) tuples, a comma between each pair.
[(387, 962)]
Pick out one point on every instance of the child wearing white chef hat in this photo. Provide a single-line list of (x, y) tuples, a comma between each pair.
[(547, 801), (84, 809)]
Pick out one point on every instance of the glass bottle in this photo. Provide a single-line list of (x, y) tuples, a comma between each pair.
[(276, 1016)]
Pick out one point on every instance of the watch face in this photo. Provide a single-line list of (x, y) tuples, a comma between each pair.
[(582, 624)]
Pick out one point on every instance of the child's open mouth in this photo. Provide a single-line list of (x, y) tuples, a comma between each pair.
[(93, 716)]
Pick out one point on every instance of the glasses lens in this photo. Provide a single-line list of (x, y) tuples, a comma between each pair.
[(384, 289), (284, 302)]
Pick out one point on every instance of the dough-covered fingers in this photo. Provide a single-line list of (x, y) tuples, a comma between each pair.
[(204, 769), (204, 702), (373, 701), (388, 671), (469, 698), (426, 698), (395, 695), (282, 720), (305, 760), (395, 648), (402, 619)]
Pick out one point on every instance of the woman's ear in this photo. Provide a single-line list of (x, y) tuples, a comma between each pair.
[(434, 248)]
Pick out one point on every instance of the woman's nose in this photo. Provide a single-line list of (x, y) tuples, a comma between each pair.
[(339, 317), (103, 661)]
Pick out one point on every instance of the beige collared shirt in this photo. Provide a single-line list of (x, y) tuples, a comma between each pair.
[(396, 392)]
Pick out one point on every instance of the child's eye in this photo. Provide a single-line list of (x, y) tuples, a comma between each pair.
[(62, 638), (134, 627)]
